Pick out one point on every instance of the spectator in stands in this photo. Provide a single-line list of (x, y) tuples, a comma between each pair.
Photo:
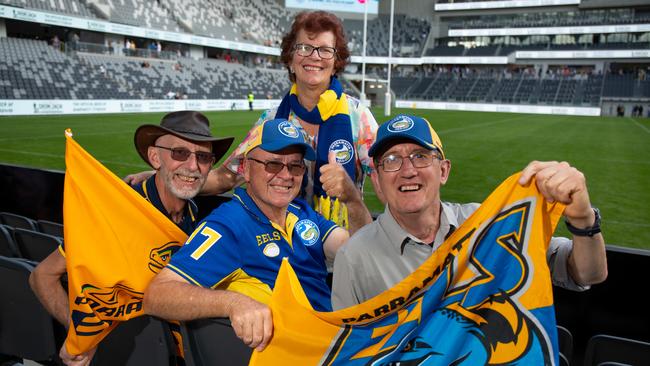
[(313, 52), (259, 227), (411, 168), (56, 42), (182, 161)]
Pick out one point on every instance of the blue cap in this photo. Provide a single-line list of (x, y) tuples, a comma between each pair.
[(412, 128), (278, 134)]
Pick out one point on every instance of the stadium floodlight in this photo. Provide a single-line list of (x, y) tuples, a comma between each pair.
[(387, 98), (363, 54)]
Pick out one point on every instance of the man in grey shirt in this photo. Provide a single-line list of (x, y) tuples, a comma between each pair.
[(410, 169)]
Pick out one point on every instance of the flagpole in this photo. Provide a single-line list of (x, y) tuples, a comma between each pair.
[(363, 54), (387, 99)]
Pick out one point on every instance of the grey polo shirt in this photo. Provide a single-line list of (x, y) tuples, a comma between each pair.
[(381, 254)]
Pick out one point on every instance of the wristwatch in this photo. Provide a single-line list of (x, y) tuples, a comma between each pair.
[(588, 231)]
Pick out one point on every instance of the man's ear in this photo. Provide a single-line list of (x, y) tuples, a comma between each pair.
[(247, 169), (374, 177), (445, 168), (154, 157)]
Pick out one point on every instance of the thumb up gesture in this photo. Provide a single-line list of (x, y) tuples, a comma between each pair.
[(336, 182)]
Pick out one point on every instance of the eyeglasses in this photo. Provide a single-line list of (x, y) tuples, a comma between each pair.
[(393, 163), (275, 167), (306, 50), (182, 154)]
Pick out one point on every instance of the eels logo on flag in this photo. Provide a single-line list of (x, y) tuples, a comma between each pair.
[(115, 242), (484, 297)]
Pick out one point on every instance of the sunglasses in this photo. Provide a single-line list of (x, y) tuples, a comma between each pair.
[(275, 167), (182, 154)]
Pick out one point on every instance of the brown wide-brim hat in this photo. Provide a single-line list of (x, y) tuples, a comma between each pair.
[(188, 125)]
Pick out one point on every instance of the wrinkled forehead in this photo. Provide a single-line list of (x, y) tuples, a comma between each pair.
[(401, 146), (170, 140)]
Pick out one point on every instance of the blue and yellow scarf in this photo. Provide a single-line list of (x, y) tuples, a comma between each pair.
[(332, 112)]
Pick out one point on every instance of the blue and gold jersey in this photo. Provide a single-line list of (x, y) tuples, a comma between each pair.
[(238, 248)]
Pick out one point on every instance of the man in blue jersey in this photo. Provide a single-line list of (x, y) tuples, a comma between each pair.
[(182, 151), (229, 264)]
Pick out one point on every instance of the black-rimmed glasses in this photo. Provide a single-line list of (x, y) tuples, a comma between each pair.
[(306, 50), (182, 154), (274, 167), (393, 163)]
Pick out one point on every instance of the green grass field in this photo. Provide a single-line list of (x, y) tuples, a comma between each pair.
[(485, 148)]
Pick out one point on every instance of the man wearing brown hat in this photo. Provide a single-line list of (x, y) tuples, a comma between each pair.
[(182, 151)]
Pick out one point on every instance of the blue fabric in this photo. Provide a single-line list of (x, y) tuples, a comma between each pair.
[(335, 132), (245, 236)]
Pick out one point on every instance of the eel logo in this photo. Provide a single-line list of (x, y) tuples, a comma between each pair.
[(343, 151), (308, 231), (470, 313), (400, 124), (288, 129), (159, 257)]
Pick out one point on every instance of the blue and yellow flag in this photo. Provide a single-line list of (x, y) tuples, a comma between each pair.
[(115, 242), (484, 297)]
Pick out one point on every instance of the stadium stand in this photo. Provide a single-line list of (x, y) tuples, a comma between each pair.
[(199, 336), (35, 246), (28, 331), (605, 349), (71, 7), (8, 247)]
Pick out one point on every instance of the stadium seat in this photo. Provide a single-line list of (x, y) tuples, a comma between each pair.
[(8, 247), (213, 342), (18, 221), (49, 227), (605, 349), (565, 342), (34, 245), (144, 340), (26, 329)]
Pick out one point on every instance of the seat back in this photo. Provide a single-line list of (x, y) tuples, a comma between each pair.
[(49, 227), (8, 247), (18, 221), (26, 329), (213, 342), (34, 245), (144, 340), (611, 350), (565, 342)]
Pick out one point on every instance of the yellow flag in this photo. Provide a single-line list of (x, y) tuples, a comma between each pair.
[(115, 242), (484, 297)]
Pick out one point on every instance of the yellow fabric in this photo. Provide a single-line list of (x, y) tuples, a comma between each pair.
[(287, 231), (302, 336), (115, 242), (332, 209), (242, 282)]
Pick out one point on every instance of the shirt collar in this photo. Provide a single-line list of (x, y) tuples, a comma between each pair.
[(400, 237)]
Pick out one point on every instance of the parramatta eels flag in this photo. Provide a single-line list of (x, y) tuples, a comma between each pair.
[(483, 298), (115, 242)]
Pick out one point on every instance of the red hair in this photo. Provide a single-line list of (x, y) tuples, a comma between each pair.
[(316, 22)]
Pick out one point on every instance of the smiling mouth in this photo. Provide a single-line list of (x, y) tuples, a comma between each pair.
[(312, 68), (281, 188), (410, 188), (187, 179)]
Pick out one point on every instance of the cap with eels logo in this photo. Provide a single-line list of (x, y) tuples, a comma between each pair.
[(406, 127), (278, 134)]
